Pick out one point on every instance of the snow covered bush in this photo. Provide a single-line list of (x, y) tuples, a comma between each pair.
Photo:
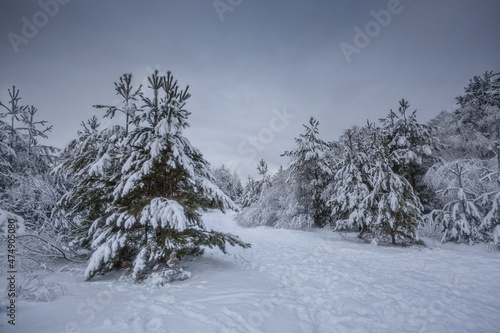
[(439, 177), (467, 179), (33, 287), (270, 206), (251, 192), (229, 183), (460, 218), (469, 191)]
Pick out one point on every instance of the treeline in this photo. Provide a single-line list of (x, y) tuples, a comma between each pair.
[(131, 194), (390, 179)]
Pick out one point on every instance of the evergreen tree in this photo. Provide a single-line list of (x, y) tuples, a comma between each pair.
[(145, 189), (466, 179), (470, 131), (395, 209), (255, 188), (411, 145), (26, 188), (34, 132), (351, 184), (480, 106), (129, 97), (14, 112), (262, 168), (90, 165), (28, 192), (367, 193), (237, 187), (310, 171)]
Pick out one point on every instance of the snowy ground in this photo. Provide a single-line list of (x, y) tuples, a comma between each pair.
[(289, 281)]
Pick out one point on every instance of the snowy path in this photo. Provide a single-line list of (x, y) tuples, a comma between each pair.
[(289, 281)]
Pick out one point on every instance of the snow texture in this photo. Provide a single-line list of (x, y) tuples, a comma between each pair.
[(164, 213), (289, 281)]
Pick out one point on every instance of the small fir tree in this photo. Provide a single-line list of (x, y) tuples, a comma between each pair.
[(396, 211), (411, 144), (129, 96), (154, 184), (310, 171), (351, 184)]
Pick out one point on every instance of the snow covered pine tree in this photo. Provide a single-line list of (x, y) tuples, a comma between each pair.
[(310, 171), (411, 144), (347, 193), (159, 183), (254, 189), (396, 211), (369, 194), (271, 206)]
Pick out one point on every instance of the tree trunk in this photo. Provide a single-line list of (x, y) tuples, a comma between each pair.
[(363, 230)]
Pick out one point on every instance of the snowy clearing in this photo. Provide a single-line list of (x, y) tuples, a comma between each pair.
[(289, 281)]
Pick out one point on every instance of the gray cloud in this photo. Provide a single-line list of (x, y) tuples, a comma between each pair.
[(262, 56)]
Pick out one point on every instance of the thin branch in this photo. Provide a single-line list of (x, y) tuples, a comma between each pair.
[(52, 245)]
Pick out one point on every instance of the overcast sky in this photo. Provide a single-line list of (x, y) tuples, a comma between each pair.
[(257, 70)]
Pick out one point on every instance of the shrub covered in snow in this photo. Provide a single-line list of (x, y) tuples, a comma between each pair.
[(33, 287)]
